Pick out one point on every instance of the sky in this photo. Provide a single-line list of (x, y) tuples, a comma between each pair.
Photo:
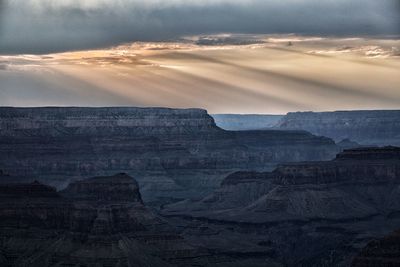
[(237, 56), (40, 26)]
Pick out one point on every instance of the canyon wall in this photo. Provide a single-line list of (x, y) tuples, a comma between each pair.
[(374, 127), (99, 221), (307, 213), (175, 153)]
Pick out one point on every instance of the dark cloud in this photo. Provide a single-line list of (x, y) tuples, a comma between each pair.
[(41, 26), (2, 8)]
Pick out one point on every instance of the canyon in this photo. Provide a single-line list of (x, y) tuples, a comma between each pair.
[(302, 214), (318, 213), (174, 153), (366, 127), (242, 122), (99, 221), (201, 195), (359, 127)]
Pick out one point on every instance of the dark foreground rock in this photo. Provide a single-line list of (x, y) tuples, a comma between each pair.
[(97, 222), (175, 153), (366, 127), (100, 221), (380, 252), (305, 214)]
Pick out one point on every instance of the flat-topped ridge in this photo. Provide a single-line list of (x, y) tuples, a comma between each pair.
[(366, 127), (348, 112), (119, 187), (245, 177), (124, 121), (31, 190), (370, 153), (71, 111)]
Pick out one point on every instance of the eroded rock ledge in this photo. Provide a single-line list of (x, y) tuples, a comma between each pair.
[(175, 153), (96, 222)]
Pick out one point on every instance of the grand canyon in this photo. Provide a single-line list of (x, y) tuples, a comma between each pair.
[(168, 187), (206, 133)]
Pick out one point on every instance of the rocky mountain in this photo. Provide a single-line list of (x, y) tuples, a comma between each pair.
[(374, 127), (99, 221), (96, 222), (242, 122), (175, 153), (305, 213)]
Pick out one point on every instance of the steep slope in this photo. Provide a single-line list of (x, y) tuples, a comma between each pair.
[(97, 222), (344, 188), (366, 127), (307, 213), (175, 153)]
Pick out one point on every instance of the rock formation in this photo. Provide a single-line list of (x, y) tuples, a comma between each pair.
[(96, 222), (374, 127), (175, 153), (120, 188), (100, 221), (307, 213)]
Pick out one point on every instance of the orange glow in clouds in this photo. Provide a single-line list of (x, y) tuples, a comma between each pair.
[(277, 74)]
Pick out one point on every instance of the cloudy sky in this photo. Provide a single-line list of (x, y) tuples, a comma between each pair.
[(38, 26), (237, 56)]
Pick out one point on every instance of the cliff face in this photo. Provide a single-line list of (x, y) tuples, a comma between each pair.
[(330, 207), (121, 121), (175, 153), (120, 188), (95, 222), (375, 127)]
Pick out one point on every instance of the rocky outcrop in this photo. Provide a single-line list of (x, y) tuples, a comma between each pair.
[(242, 122), (381, 252), (374, 127), (332, 208), (34, 189), (119, 188), (97, 222), (175, 153), (94, 122), (311, 190)]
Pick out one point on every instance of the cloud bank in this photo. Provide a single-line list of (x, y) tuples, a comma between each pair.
[(267, 76), (43, 26)]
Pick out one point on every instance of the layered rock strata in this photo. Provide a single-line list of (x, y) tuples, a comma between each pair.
[(307, 213), (97, 222), (366, 127), (175, 153)]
